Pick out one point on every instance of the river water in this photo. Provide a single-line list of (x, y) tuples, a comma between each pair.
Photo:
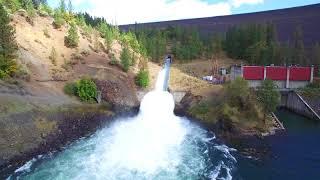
[(156, 144), (294, 154)]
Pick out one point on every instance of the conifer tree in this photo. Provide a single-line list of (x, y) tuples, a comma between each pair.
[(72, 39), (298, 46), (8, 46), (125, 59), (13, 5), (62, 6)]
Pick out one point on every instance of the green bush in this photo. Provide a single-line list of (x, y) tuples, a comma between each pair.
[(13, 5), (70, 89), (312, 90), (269, 95), (86, 89), (238, 92), (58, 20), (202, 111), (8, 67), (46, 8), (72, 39), (125, 59), (142, 78)]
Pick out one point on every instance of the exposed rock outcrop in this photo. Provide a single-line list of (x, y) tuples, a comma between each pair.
[(118, 89)]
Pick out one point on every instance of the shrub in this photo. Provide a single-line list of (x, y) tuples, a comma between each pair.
[(46, 8), (238, 92), (312, 90), (80, 21), (269, 96), (142, 78), (8, 45), (13, 5), (53, 56), (202, 112), (72, 39), (8, 67), (86, 89), (125, 59), (58, 20), (70, 89)]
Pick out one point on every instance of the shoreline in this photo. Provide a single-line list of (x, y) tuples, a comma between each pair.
[(76, 121), (72, 125)]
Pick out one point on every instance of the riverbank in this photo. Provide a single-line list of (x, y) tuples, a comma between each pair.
[(242, 126), (37, 132)]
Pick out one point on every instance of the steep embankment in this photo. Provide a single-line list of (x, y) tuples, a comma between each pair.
[(35, 114)]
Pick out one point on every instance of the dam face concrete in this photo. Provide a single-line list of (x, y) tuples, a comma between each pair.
[(177, 95), (294, 102)]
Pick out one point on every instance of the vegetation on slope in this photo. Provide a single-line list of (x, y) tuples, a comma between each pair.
[(142, 78), (312, 90), (85, 89), (239, 105), (72, 39), (8, 46), (268, 96)]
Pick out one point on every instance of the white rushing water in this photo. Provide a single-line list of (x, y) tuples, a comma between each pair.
[(155, 144)]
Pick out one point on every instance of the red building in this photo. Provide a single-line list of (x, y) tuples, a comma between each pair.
[(285, 77)]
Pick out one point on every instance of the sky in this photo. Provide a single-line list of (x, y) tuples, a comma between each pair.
[(140, 11)]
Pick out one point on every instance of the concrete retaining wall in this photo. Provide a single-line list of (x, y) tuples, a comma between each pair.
[(177, 95), (294, 102)]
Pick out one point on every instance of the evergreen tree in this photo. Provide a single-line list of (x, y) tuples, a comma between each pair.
[(285, 54), (58, 19), (269, 96), (80, 21), (125, 59), (8, 45), (62, 6), (72, 39), (298, 46), (13, 5)]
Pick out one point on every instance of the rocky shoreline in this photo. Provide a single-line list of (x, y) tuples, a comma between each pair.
[(248, 142)]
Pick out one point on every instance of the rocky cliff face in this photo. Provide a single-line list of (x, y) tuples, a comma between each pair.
[(118, 89)]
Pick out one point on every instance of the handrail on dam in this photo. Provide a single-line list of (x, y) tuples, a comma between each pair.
[(166, 67)]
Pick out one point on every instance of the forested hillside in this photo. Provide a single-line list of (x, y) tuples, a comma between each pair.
[(288, 36)]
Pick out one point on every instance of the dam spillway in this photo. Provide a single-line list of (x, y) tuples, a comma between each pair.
[(155, 144)]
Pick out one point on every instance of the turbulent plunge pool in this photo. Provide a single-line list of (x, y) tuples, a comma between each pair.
[(155, 144)]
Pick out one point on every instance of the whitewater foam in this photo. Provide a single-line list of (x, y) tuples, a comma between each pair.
[(155, 144)]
